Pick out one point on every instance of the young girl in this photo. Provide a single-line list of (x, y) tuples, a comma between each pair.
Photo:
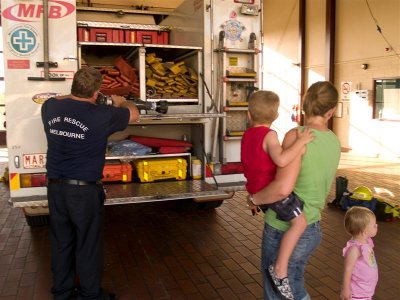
[(360, 269)]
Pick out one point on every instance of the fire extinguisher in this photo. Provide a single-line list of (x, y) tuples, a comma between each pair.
[(295, 113)]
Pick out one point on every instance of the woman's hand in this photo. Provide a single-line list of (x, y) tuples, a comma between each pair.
[(254, 208)]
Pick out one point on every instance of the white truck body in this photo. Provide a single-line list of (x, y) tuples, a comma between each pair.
[(23, 38), (42, 53)]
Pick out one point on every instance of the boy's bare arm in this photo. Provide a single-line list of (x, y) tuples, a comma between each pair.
[(282, 157), (285, 177)]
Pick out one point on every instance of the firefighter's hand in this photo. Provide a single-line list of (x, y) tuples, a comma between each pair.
[(254, 208), (117, 100)]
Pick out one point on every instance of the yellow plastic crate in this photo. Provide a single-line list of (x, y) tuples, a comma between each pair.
[(149, 170)]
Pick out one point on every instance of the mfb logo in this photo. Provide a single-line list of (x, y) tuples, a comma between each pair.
[(29, 12)]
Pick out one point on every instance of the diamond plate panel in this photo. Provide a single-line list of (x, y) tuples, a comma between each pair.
[(139, 192), (159, 191)]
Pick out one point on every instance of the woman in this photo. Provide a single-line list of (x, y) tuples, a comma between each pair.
[(310, 176)]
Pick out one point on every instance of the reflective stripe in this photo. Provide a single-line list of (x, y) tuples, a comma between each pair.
[(14, 181)]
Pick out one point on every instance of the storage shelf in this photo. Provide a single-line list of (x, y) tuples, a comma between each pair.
[(232, 138), (233, 50), (102, 54), (139, 45), (173, 100), (238, 74), (241, 79), (109, 44), (132, 157), (181, 116), (236, 108), (114, 25), (172, 47)]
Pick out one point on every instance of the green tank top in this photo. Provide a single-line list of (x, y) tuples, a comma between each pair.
[(318, 169)]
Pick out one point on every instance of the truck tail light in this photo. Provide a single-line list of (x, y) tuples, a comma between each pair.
[(33, 180)]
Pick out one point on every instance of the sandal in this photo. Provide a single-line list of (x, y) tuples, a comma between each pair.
[(280, 286)]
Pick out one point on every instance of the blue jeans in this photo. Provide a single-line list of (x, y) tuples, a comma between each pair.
[(306, 245)]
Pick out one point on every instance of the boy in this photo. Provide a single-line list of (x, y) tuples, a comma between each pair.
[(261, 153)]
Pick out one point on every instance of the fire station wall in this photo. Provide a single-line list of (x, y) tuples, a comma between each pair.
[(281, 54), (281, 72), (357, 42)]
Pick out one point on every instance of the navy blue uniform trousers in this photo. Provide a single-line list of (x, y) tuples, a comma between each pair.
[(76, 228)]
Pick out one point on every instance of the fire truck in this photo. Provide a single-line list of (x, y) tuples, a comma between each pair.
[(190, 70)]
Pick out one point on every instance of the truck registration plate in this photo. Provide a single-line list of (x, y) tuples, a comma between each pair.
[(34, 161)]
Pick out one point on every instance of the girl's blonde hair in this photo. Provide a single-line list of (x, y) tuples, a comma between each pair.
[(263, 106), (357, 219), (320, 98)]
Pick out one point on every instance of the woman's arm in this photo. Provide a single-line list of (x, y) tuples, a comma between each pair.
[(285, 177)]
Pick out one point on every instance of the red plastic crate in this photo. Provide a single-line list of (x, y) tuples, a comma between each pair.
[(118, 36), (130, 36), (83, 34), (152, 37), (102, 35)]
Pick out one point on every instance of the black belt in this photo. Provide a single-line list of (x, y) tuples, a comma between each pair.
[(73, 181)]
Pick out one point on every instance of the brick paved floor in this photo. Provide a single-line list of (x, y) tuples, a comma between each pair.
[(167, 251)]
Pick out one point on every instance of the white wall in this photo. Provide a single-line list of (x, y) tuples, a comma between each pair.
[(281, 71), (357, 42)]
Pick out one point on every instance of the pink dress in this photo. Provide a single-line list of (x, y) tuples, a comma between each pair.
[(365, 273)]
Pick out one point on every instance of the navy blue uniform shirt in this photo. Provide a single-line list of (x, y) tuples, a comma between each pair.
[(77, 133)]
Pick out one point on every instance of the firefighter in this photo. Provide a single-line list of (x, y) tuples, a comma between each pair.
[(77, 130)]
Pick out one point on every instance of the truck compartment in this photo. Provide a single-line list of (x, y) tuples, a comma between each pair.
[(163, 72)]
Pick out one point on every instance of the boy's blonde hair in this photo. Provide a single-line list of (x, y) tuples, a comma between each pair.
[(263, 106), (320, 98), (357, 219)]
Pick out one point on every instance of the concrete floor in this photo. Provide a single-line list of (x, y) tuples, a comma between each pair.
[(169, 251)]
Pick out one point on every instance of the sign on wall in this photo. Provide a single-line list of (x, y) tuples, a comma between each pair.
[(345, 90)]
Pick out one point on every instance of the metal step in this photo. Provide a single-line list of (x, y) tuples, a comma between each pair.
[(159, 191), (125, 193)]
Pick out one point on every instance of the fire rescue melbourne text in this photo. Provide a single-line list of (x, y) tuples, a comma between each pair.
[(72, 121)]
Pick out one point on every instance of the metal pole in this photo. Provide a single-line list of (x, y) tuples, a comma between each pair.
[(46, 39), (302, 52)]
